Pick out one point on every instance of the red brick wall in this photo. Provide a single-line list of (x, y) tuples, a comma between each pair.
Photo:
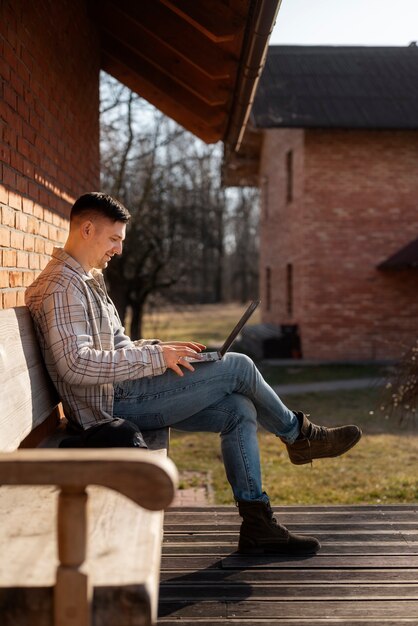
[(49, 125), (279, 224), (358, 204)]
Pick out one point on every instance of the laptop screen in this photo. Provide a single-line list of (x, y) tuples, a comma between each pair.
[(234, 333)]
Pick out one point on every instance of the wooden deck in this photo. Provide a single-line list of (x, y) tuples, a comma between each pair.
[(366, 573)]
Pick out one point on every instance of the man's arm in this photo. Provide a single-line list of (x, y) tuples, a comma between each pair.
[(66, 330)]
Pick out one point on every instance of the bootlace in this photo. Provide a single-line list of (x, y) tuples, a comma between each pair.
[(317, 433), (274, 521)]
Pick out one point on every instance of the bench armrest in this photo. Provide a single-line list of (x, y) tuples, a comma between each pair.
[(147, 479)]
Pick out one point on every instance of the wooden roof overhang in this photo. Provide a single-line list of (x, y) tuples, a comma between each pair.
[(198, 61), (405, 258)]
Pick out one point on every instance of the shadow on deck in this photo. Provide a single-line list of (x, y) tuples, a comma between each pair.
[(365, 574)]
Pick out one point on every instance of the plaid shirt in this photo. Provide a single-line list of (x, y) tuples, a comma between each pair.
[(82, 340)]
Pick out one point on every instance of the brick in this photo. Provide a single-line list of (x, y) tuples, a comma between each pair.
[(16, 239), (4, 237), (9, 258), (22, 187), (15, 200), (27, 205), (4, 195), (9, 177), (43, 262), (22, 259), (39, 245), (16, 161), (49, 246), (24, 147), (7, 216), (16, 279), (32, 225), (33, 261), (6, 154), (38, 211), (4, 279), (21, 221), (9, 299), (43, 230), (28, 278), (29, 243), (20, 298), (9, 96), (4, 69)]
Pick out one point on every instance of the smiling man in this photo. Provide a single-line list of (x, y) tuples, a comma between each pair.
[(111, 387)]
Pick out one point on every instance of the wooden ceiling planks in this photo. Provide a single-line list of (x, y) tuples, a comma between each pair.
[(185, 57), (215, 20)]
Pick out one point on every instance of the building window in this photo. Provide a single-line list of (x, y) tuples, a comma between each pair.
[(289, 289), (265, 197), (268, 288), (289, 176)]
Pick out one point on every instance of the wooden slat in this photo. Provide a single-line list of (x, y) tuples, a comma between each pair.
[(349, 518), (365, 573), (180, 37), (283, 575), (144, 44), (220, 24), (325, 610), (309, 529), (368, 550), (301, 621), (379, 536), (237, 592), (307, 510), (186, 562), (27, 396), (332, 611), (170, 99)]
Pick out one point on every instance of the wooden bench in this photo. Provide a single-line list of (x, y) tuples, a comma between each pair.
[(75, 547)]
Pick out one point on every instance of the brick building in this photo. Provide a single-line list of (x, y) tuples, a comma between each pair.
[(334, 149), (192, 63)]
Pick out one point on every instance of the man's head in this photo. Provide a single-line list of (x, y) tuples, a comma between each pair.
[(99, 205), (97, 229)]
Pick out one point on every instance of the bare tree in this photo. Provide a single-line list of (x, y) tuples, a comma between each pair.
[(243, 244), (170, 182)]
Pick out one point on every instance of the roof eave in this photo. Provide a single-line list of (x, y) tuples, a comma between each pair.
[(259, 29)]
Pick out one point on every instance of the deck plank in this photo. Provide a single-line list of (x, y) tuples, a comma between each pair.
[(365, 574)]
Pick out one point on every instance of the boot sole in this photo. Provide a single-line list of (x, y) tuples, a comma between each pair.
[(328, 456)]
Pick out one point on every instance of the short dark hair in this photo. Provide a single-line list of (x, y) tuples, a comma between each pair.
[(101, 204)]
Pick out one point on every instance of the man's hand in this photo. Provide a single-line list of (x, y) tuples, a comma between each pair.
[(175, 351)]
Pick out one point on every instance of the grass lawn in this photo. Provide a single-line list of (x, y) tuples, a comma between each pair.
[(382, 468), (209, 324)]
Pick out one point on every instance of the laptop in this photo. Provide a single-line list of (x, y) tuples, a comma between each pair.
[(208, 357)]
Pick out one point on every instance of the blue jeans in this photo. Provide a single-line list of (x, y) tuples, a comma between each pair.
[(229, 397)]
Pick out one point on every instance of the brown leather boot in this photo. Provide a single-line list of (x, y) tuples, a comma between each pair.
[(319, 442), (261, 534)]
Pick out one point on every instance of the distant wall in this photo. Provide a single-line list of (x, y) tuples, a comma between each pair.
[(280, 231), (356, 204), (49, 123)]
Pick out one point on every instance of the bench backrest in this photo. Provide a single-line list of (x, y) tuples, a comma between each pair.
[(27, 396)]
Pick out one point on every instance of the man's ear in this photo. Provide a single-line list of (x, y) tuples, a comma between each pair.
[(87, 229)]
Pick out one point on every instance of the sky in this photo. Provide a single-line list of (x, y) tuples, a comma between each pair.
[(345, 22)]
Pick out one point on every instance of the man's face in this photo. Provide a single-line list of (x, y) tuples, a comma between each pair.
[(105, 240)]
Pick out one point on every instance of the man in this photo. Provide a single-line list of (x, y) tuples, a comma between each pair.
[(111, 387)]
